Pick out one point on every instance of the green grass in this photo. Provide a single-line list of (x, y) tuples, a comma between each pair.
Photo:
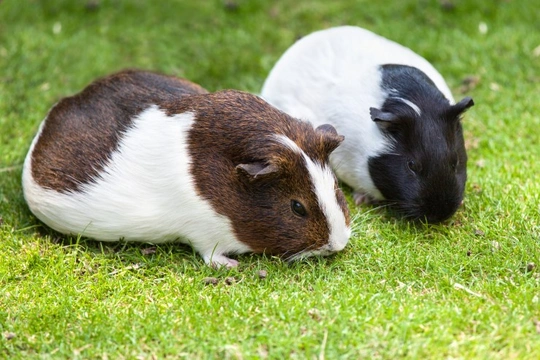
[(465, 289)]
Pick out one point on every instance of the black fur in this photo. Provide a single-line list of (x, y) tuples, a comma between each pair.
[(424, 174)]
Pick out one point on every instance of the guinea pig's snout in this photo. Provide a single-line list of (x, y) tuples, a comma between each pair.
[(435, 219), (437, 211), (337, 242)]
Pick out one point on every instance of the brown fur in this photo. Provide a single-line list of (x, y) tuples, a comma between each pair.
[(230, 140), (89, 137), (236, 128)]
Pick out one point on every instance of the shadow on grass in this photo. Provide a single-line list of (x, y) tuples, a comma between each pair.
[(181, 257), (175, 256)]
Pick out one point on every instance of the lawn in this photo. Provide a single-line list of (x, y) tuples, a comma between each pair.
[(469, 288)]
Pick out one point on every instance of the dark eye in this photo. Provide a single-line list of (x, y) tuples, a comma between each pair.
[(455, 165), (413, 166), (298, 208)]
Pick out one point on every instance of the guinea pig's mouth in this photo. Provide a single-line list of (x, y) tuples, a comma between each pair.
[(308, 252), (419, 213)]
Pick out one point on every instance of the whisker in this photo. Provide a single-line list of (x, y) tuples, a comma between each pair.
[(293, 256), (299, 254), (338, 165), (283, 256)]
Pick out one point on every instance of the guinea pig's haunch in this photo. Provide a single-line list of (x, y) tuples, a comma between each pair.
[(404, 141), (145, 157)]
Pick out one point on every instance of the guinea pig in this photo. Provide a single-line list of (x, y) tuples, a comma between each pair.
[(146, 157), (404, 140)]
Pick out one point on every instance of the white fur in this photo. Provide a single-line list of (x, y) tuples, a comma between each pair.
[(288, 143), (323, 182), (331, 76), (411, 105), (324, 187), (145, 193)]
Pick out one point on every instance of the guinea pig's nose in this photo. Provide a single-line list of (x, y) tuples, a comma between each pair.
[(338, 242), (442, 214), (435, 219)]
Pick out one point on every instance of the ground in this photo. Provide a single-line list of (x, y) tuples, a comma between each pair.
[(468, 288)]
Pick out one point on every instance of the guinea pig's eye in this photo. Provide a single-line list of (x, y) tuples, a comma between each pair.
[(455, 165), (413, 166), (298, 208)]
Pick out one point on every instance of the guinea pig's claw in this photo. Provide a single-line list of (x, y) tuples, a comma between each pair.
[(361, 198), (217, 261)]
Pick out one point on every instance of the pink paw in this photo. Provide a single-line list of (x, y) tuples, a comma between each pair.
[(217, 261), (361, 198)]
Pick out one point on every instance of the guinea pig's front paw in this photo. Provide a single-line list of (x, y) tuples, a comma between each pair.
[(362, 198), (217, 261)]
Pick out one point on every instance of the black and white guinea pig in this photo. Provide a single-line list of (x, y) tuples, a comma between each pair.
[(404, 141), (151, 158)]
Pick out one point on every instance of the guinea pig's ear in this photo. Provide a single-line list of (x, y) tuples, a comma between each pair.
[(327, 128), (331, 137), (383, 119), (453, 113), (463, 105), (256, 170)]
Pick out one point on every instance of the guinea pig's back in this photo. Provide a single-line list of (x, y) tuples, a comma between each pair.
[(103, 161), (369, 50), (85, 129), (329, 65)]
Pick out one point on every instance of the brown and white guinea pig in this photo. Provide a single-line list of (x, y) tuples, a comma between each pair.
[(404, 141), (151, 158)]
